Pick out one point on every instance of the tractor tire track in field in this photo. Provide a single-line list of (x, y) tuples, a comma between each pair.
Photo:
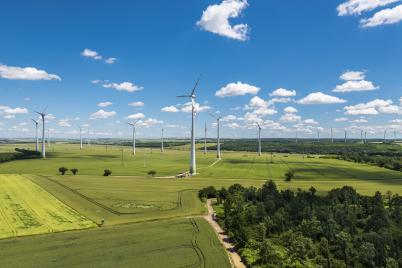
[(198, 251)]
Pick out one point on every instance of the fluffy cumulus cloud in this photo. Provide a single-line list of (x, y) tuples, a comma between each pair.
[(386, 16), (290, 110), (216, 17), (290, 117), (105, 104), (232, 125), (102, 114), (9, 112), (237, 89), (170, 109), (281, 92), (136, 104), (136, 116), (354, 81), (147, 123), (374, 107), (310, 122), (124, 86), (320, 98), (357, 7), (27, 73), (89, 53), (187, 108), (229, 117), (341, 119)]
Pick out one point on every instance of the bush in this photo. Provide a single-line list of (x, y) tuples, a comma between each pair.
[(208, 192), (74, 171), (107, 172), (152, 173), (63, 170), (289, 175)]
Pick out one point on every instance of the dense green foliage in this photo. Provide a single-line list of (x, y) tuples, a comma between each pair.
[(273, 228), (18, 154), (393, 162)]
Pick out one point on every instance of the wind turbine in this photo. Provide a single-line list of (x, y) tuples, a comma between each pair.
[(162, 145), (89, 141), (361, 136), (297, 136), (205, 138), (48, 137), (385, 136), (346, 135), (259, 139), (218, 141), (332, 135), (133, 125), (36, 134), (80, 137), (43, 115), (318, 135), (192, 96)]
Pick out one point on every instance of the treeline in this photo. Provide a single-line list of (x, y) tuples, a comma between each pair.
[(293, 229), (309, 147), (18, 154), (390, 162)]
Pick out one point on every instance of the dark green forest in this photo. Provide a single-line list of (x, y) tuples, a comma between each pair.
[(273, 228)]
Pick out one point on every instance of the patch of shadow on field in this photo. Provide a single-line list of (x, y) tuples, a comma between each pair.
[(243, 161)]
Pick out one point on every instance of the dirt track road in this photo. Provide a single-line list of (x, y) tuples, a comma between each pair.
[(234, 257)]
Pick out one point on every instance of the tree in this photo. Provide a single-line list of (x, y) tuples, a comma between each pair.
[(289, 175), (74, 171), (152, 173), (107, 172), (63, 170)]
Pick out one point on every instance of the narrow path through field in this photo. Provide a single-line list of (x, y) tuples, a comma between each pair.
[(233, 256)]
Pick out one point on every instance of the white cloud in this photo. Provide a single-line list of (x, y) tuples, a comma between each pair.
[(170, 109), (27, 73), (216, 17), (351, 86), (320, 98), (310, 122), (353, 76), (110, 60), (290, 110), (341, 119), (136, 116), (257, 102), (91, 54), (136, 104), (236, 89), (373, 108), (290, 117), (232, 125), (11, 112), (64, 122), (386, 16), (101, 114), (124, 86), (281, 100), (105, 104), (149, 122), (357, 7), (187, 108), (281, 92), (229, 117), (360, 120)]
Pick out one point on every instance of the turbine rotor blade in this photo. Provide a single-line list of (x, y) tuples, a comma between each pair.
[(195, 86)]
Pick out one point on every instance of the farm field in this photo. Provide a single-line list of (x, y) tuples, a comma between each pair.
[(170, 244), (26, 209)]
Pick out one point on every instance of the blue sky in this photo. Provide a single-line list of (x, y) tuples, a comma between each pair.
[(336, 63)]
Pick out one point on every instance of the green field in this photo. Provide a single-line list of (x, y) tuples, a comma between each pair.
[(156, 204), (170, 244), (26, 209)]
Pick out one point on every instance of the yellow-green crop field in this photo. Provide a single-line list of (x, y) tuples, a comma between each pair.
[(26, 209)]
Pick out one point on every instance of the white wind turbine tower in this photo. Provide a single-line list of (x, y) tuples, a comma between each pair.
[(385, 136), (361, 136), (133, 124), (205, 138), (318, 135), (297, 136), (36, 134), (218, 139), (365, 136), (162, 141), (43, 115), (332, 135), (346, 135), (192, 96), (259, 139), (80, 137)]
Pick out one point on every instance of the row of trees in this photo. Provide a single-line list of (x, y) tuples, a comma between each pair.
[(390, 162), (273, 228)]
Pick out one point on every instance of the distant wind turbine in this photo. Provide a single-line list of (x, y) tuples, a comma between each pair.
[(361, 136), (162, 141), (297, 136), (385, 136), (218, 140), (259, 139), (36, 134), (48, 137), (318, 135), (80, 137), (43, 115), (332, 135), (365, 136), (205, 138), (133, 124), (192, 96), (346, 135)]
